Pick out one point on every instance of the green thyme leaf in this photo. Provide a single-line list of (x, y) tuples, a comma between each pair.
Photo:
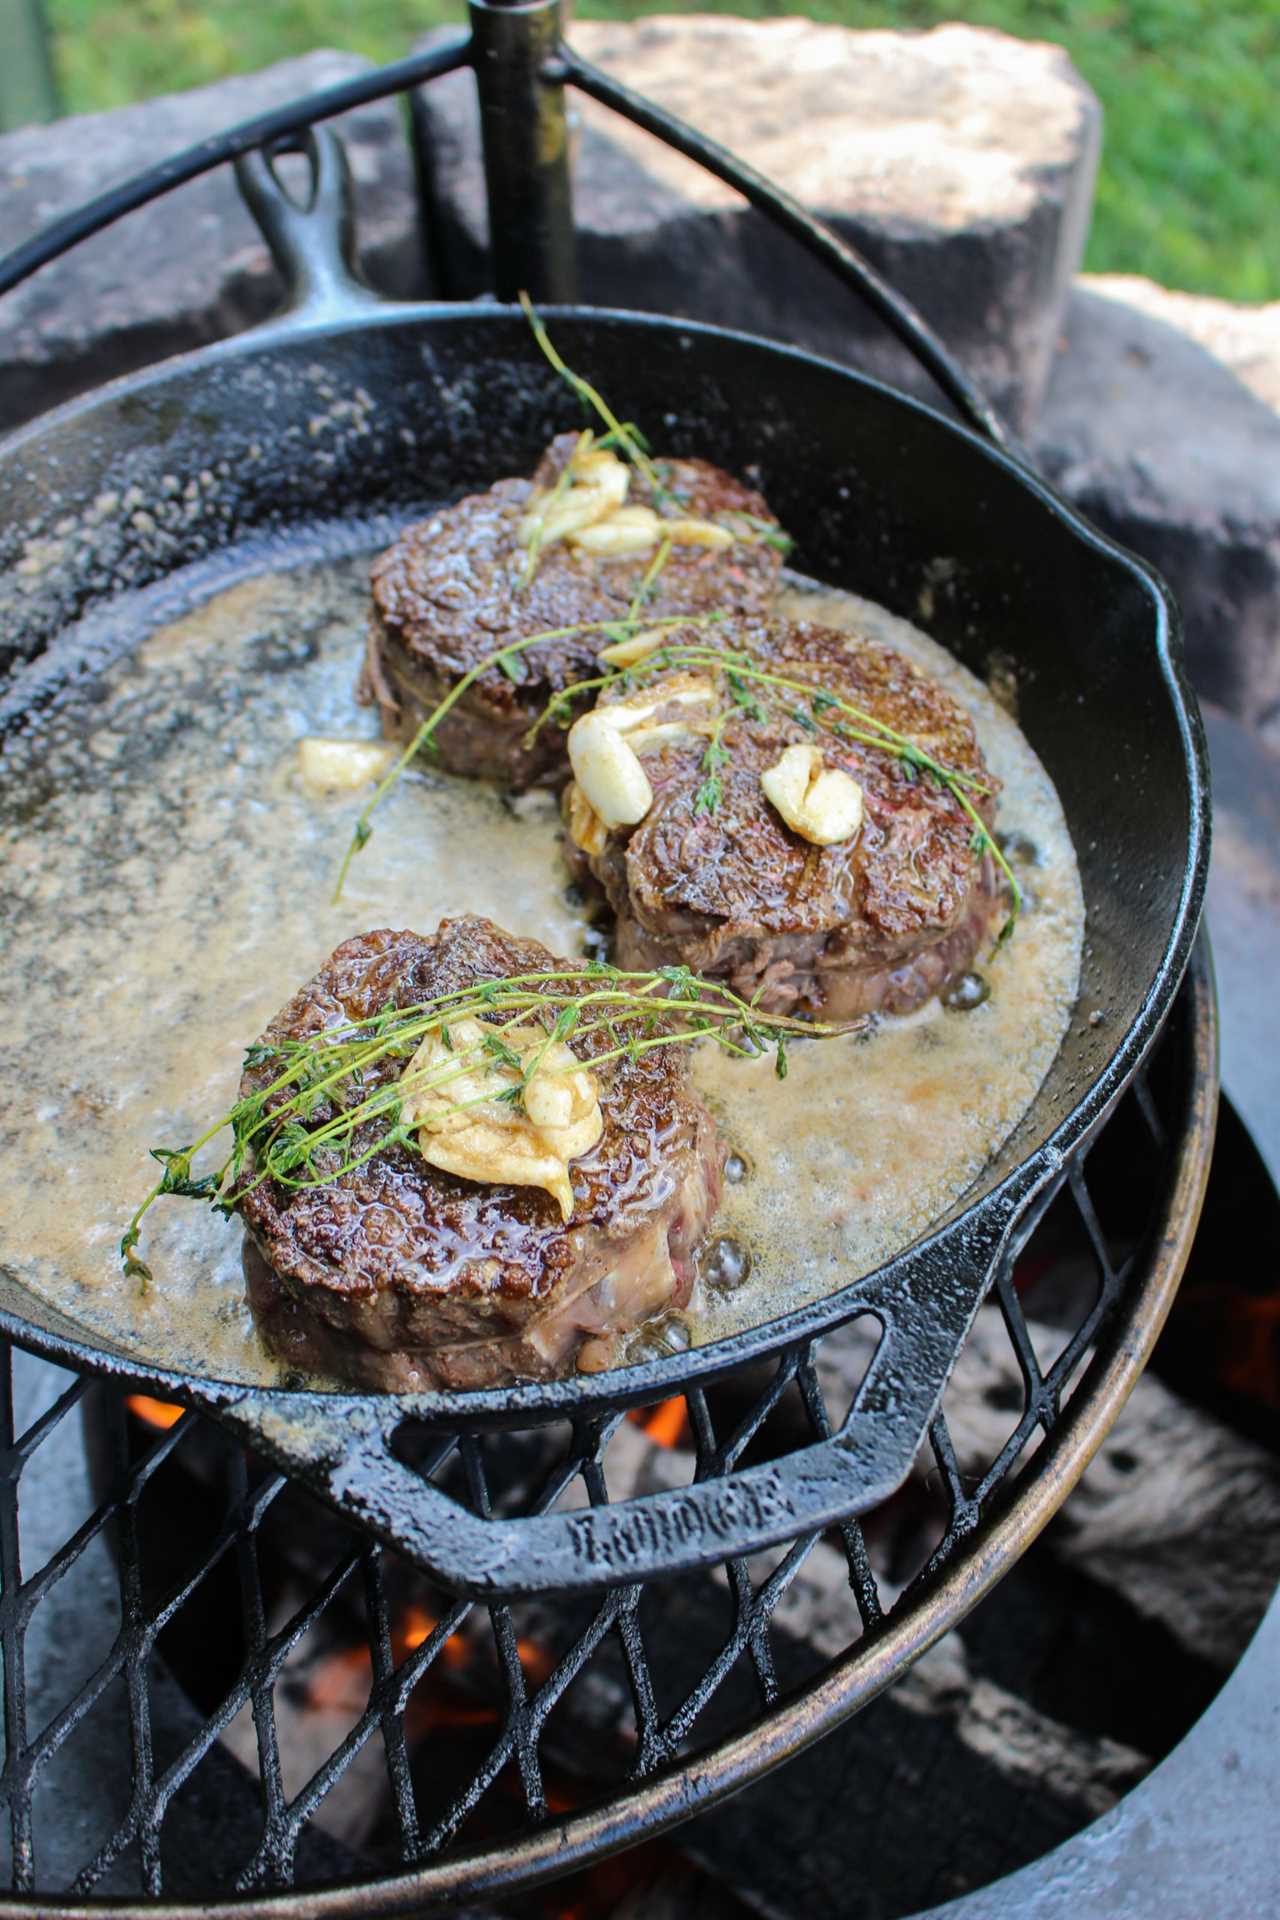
[(566, 1020), (494, 1044)]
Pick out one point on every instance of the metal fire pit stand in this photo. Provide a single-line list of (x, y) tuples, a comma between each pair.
[(668, 1777), (522, 67)]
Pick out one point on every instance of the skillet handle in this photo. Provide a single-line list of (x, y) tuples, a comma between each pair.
[(347, 1455), (312, 241)]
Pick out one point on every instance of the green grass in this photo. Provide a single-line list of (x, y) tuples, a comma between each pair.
[(1188, 190)]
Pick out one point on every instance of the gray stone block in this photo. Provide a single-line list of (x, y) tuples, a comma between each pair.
[(1166, 450), (1244, 338), (960, 161), (190, 267)]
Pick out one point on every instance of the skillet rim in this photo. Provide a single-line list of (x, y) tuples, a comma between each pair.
[(537, 1402)]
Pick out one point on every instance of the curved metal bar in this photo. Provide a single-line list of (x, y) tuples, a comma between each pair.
[(656, 1535), (842, 260), (667, 1799), (61, 235), (837, 255)]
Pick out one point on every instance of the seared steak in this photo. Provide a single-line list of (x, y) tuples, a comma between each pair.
[(399, 1276), (452, 591), (721, 883)]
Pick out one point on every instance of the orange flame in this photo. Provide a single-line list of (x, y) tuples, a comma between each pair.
[(666, 1425), (341, 1680), (535, 1660), (156, 1413), (416, 1626)]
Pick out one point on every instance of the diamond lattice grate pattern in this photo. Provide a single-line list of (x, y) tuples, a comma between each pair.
[(270, 1699)]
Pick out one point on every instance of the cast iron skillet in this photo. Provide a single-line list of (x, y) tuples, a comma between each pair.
[(884, 496)]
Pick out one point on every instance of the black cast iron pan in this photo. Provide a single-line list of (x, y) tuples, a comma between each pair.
[(876, 487)]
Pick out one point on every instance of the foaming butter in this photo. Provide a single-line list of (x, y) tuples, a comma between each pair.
[(170, 877)]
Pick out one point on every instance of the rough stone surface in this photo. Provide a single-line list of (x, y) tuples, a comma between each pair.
[(1165, 449), (1245, 339), (191, 267), (960, 161)]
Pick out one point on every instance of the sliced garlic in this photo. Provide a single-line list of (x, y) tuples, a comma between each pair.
[(610, 787), (642, 519), (822, 804), (608, 771), (586, 829), (629, 653), (588, 511), (467, 1127), (340, 766), (598, 483), (616, 536), (587, 458), (686, 700), (692, 532)]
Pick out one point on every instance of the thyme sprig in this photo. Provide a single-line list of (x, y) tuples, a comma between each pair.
[(507, 658), (764, 531), (628, 438), (563, 483), (644, 592), (740, 674), (566, 479), (305, 1126), (714, 756)]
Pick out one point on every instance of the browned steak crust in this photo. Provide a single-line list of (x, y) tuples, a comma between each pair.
[(399, 1275), (883, 921), (448, 594)]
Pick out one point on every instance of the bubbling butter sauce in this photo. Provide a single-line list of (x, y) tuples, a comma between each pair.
[(169, 888)]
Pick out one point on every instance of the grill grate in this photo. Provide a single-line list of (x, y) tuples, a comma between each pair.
[(185, 1527)]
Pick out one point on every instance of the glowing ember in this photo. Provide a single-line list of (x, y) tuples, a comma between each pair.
[(416, 1626), (341, 1681), (666, 1425), (535, 1660), (1250, 1347), (155, 1413)]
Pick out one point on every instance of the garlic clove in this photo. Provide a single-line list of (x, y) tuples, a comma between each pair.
[(597, 488), (686, 702), (608, 771), (629, 653), (586, 829), (340, 766), (639, 517), (466, 1126), (573, 513), (613, 539), (692, 532), (822, 804), (548, 1101)]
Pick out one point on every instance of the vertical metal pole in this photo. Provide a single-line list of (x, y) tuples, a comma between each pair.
[(526, 147)]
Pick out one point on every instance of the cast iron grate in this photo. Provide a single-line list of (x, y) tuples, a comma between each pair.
[(189, 1529)]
